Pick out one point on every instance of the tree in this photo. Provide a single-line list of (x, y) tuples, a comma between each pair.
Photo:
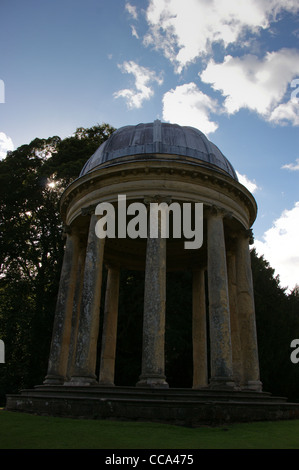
[(277, 318), (73, 152), (32, 179)]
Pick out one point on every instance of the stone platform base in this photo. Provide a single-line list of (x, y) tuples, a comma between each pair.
[(185, 407)]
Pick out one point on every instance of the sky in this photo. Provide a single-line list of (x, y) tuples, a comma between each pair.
[(229, 68)]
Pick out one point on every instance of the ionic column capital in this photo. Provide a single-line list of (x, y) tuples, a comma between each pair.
[(72, 231), (66, 230), (88, 210), (243, 234), (216, 211), (157, 199), (112, 266), (249, 235)]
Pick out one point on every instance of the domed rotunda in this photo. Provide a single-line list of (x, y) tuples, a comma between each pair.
[(156, 198), (147, 163)]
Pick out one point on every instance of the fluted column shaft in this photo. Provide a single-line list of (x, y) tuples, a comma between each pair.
[(246, 311), (234, 318), (85, 361), (59, 351), (109, 336), (76, 307), (219, 313), (199, 335), (153, 361)]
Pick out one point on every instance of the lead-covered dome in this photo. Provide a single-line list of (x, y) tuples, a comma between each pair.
[(157, 140)]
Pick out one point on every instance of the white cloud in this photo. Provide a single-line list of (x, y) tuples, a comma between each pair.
[(186, 30), (286, 113), (256, 84), (186, 105), (134, 32), (6, 144), (249, 184), (142, 91), (280, 247), (132, 10), (292, 166)]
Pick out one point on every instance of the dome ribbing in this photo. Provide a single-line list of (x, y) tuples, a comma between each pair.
[(157, 140)]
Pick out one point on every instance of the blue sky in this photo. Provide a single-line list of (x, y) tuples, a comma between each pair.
[(229, 68)]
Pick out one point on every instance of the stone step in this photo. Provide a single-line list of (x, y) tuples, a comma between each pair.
[(136, 393), (176, 408)]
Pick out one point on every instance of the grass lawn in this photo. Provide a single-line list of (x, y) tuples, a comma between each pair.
[(25, 431)]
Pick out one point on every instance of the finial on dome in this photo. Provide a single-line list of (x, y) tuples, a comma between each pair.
[(157, 131)]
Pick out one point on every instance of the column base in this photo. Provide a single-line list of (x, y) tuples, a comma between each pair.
[(200, 387), (81, 381), (255, 385), (222, 383), (54, 380), (106, 384), (152, 381)]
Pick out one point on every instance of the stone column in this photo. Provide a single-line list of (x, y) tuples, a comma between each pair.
[(153, 362), (219, 314), (199, 335), (109, 336), (58, 358), (246, 311), (86, 350), (76, 306), (234, 318)]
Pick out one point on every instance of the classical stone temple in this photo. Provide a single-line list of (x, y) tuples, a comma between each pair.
[(156, 163)]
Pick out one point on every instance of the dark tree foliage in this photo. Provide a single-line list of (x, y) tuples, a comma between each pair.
[(74, 151), (277, 318), (32, 179)]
